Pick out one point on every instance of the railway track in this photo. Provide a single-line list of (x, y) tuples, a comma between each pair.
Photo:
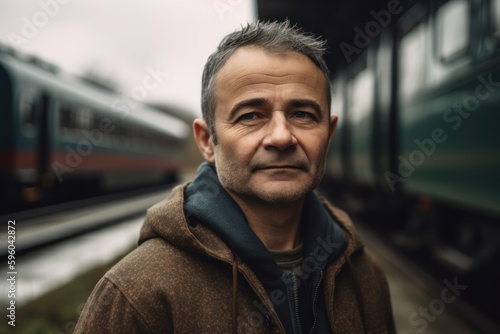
[(41, 227)]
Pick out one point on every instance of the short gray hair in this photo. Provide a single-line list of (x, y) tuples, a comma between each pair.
[(276, 37)]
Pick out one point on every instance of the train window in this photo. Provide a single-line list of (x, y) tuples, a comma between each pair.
[(29, 105), (116, 134), (65, 118), (362, 95), (496, 17), (126, 135), (453, 26), (84, 119), (70, 120), (96, 121), (73, 120), (412, 61)]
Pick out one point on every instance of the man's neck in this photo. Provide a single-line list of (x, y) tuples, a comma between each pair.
[(276, 224)]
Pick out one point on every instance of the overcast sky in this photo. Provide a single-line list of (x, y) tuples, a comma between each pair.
[(120, 39)]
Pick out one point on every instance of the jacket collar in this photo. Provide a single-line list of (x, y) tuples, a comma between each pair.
[(208, 204), (167, 220)]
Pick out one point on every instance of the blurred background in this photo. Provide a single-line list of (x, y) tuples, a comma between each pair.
[(97, 101)]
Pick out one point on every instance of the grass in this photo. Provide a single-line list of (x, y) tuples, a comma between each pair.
[(57, 311)]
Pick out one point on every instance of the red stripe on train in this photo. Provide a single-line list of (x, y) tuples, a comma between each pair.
[(101, 161), (14, 160)]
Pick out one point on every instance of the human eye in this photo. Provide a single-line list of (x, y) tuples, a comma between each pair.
[(303, 115), (248, 116)]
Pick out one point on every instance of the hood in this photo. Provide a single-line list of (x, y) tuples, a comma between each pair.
[(209, 204), (201, 217), (166, 220)]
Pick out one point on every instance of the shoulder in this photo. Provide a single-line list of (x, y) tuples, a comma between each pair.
[(108, 310), (146, 285), (154, 265), (163, 276), (164, 283), (126, 298), (368, 267), (354, 242)]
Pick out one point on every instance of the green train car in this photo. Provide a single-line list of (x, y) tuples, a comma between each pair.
[(419, 144)]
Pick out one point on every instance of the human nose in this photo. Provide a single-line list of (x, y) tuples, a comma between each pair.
[(278, 133)]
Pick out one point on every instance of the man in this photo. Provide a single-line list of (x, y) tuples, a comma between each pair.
[(248, 246)]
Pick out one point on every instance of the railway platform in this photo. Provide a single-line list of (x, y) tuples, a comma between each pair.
[(420, 303)]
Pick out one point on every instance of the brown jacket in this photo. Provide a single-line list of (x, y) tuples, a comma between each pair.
[(184, 279)]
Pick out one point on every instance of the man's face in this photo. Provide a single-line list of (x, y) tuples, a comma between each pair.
[(272, 125)]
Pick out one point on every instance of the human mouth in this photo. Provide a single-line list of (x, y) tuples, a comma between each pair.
[(295, 165), (280, 167)]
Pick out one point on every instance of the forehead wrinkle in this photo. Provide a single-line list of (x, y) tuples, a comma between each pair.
[(240, 77), (259, 81), (245, 72)]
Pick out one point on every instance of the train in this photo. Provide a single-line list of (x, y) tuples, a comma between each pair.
[(62, 138), (417, 147)]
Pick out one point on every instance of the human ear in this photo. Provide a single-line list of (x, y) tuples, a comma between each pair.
[(203, 139), (332, 128)]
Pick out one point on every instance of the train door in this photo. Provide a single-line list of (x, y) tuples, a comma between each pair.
[(34, 110), (25, 160), (46, 147), (385, 125), (43, 140)]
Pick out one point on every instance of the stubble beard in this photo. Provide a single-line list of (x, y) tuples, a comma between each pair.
[(237, 184)]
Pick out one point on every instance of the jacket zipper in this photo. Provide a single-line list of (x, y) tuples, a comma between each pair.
[(315, 299), (296, 301)]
